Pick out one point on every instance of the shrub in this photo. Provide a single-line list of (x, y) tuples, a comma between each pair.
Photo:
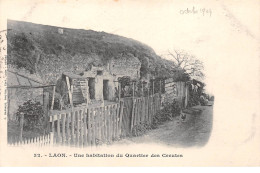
[(33, 114), (140, 129), (169, 111), (194, 99)]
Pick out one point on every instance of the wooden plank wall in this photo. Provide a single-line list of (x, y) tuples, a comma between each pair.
[(175, 91)]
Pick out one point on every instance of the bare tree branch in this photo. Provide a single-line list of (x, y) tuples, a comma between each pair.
[(189, 63)]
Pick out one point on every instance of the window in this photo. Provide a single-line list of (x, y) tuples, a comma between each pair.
[(99, 72)]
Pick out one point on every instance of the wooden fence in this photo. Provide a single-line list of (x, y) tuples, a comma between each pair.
[(87, 126), (41, 141), (139, 111), (83, 127)]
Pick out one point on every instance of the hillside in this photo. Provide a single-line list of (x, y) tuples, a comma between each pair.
[(41, 49)]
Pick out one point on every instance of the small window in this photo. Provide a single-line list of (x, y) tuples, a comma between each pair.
[(99, 72)]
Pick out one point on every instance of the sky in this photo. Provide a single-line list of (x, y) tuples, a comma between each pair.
[(206, 31)]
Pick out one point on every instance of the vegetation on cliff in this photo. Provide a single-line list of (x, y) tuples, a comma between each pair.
[(45, 51)]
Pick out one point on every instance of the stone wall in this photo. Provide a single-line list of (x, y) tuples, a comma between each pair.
[(17, 96), (95, 77), (125, 66), (115, 68), (100, 74)]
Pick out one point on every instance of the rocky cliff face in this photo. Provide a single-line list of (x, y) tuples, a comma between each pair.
[(47, 51)]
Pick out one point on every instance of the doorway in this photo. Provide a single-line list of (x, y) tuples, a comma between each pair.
[(105, 90), (91, 85)]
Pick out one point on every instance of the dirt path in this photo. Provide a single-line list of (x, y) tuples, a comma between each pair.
[(194, 131)]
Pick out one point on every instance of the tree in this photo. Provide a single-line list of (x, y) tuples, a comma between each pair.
[(188, 63)]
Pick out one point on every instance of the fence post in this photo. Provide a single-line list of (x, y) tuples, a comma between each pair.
[(160, 87), (81, 128), (136, 112), (63, 128), (46, 111), (73, 128), (153, 86), (142, 89), (119, 91), (68, 128), (106, 124), (89, 126), (51, 138), (52, 123), (133, 114), (21, 127), (85, 127), (133, 89), (53, 95), (109, 124), (58, 128), (148, 101), (103, 125), (120, 118), (97, 126), (93, 127), (148, 87), (117, 120), (77, 125)]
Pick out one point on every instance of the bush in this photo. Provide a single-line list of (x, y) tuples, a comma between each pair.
[(169, 111), (33, 115), (172, 109), (140, 129), (194, 100)]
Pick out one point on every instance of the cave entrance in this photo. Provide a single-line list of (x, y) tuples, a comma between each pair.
[(105, 90), (91, 85)]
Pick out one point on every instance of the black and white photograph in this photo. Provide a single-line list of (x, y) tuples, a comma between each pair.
[(131, 75), (83, 88)]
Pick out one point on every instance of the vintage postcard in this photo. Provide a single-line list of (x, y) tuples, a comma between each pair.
[(129, 83)]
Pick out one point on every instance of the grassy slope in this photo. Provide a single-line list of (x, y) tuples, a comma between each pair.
[(41, 49)]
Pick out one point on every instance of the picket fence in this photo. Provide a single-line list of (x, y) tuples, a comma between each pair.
[(86, 126), (41, 141), (82, 127)]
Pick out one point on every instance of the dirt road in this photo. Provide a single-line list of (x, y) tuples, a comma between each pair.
[(194, 131)]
